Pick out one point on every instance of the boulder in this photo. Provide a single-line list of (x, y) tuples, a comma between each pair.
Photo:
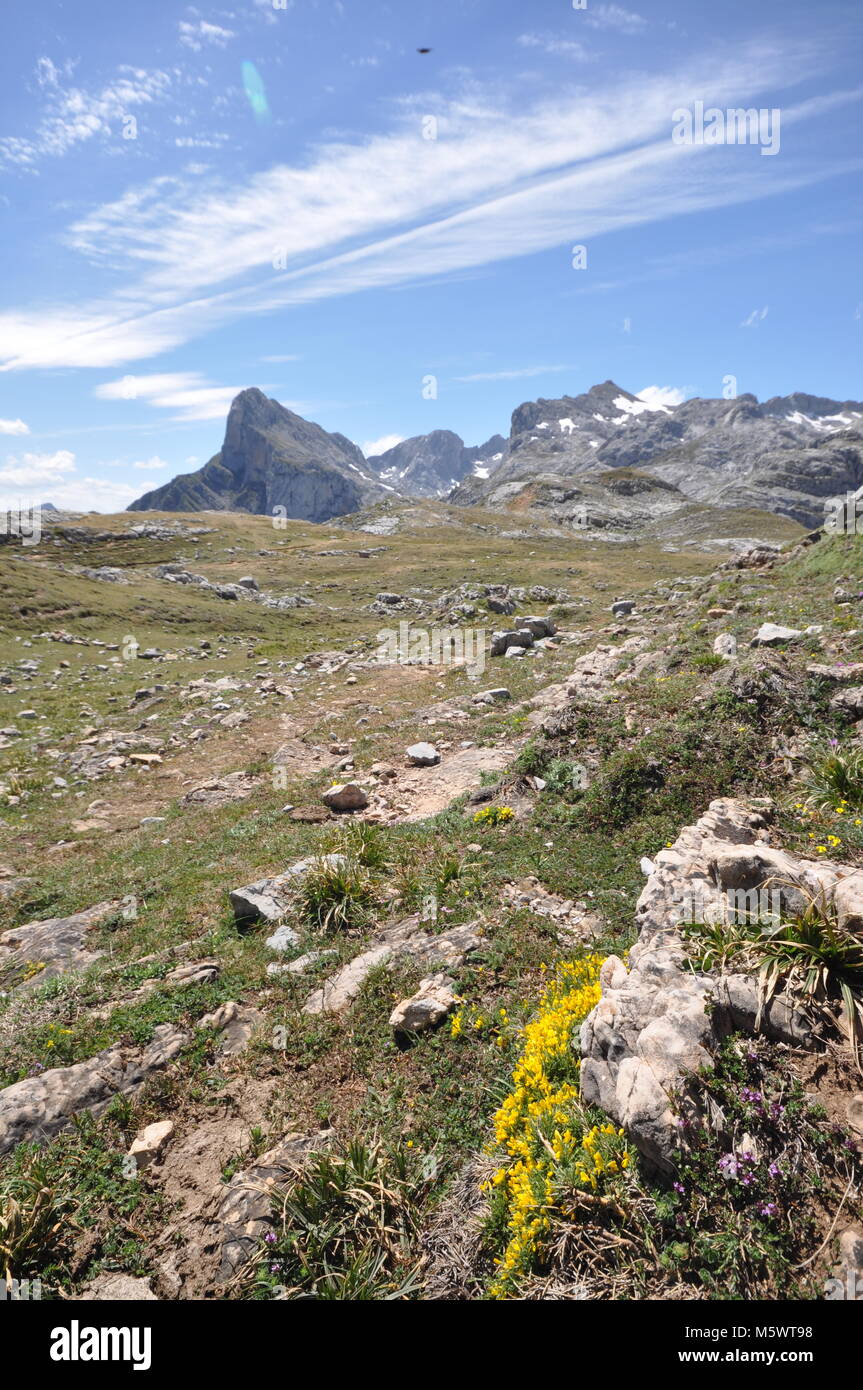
[(725, 645), (268, 899), (772, 635), (498, 695), (345, 796), (422, 755), (849, 701), (428, 1007)]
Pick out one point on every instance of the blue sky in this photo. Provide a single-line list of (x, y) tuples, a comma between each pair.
[(200, 198)]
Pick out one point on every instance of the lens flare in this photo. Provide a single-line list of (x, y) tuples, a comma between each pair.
[(253, 86)]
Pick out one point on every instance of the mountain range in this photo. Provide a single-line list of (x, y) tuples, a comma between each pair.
[(575, 457)]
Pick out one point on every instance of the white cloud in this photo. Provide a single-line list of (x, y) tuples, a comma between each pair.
[(565, 48), (757, 316), (657, 396), (614, 17), (372, 447), (80, 495), (154, 462), (502, 183), (511, 374), (187, 392), (32, 470), (75, 115), (194, 36), (14, 427), (281, 357)]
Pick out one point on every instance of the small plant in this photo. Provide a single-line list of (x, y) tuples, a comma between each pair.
[(835, 775), (494, 815), (31, 1213), (363, 843), (336, 895), (808, 954), (347, 1227)]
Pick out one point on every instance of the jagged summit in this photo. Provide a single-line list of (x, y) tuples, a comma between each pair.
[(273, 458), (785, 455), (431, 465)]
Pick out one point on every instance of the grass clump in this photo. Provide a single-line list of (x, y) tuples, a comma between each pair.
[(337, 894), (347, 1227), (32, 1208), (835, 774)]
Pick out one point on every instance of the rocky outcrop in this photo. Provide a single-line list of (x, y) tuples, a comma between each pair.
[(657, 1021), (245, 1210), (274, 463), (406, 941), (38, 1107), (38, 951)]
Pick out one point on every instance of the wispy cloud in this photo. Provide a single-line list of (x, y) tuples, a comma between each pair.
[(550, 43), (757, 316), (394, 209), (14, 427), (614, 17), (151, 463), (74, 115), (512, 373), (195, 36), (373, 447), (188, 393)]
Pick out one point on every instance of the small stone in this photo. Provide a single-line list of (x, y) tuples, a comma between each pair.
[(854, 1111), (772, 635), (284, 938), (427, 1008), (725, 645), (422, 755), (150, 1142)]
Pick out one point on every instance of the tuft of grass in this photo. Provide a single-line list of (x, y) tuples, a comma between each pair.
[(337, 896), (31, 1217), (347, 1227), (835, 775)]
